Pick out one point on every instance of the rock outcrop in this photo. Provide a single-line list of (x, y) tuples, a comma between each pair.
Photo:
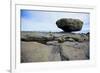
[(34, 52), (44, 37), (57, 46), (75, 50), (69, 24)]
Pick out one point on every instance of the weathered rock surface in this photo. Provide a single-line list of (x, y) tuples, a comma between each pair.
[(57, 46), (37, 52), (44, 37), (34, 52), (38, 37), (69, 24), (74, 51)]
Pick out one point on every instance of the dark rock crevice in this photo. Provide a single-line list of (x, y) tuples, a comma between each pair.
[(57, 49), (63, 58)]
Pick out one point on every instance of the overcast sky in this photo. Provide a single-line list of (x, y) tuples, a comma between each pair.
[(46, 21)]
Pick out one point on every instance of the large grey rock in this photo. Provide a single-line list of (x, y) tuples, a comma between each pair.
[(69, 24), (35, 52), (58, 46), (71, 53), (75, 50), (37, 37)]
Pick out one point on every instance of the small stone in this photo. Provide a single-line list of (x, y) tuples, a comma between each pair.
[(52, 42)]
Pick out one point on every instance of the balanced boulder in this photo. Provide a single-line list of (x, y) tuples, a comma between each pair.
[(69, 24)]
